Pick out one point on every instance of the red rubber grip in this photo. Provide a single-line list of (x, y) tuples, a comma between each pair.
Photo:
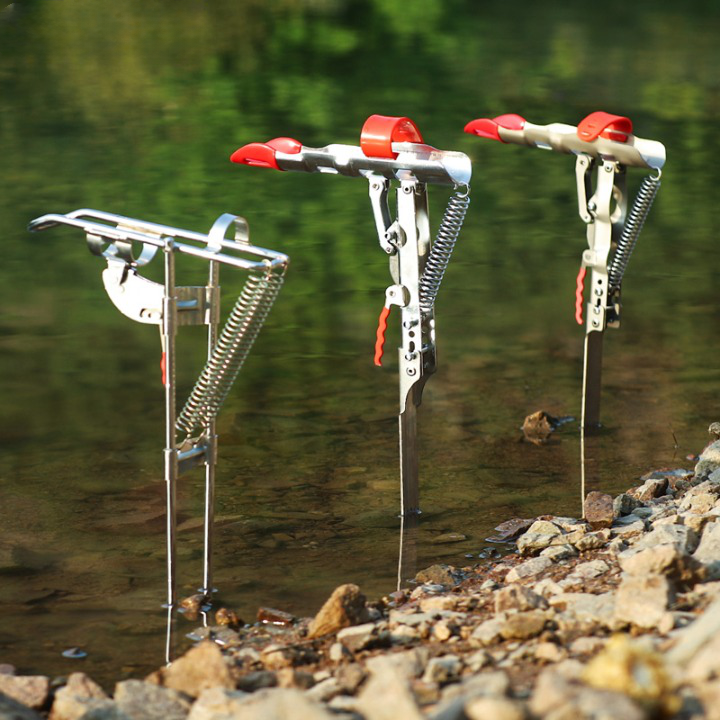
[(263, 154), (380, 335), (602, 124), (380, 131), (579, 300), (490, 129)]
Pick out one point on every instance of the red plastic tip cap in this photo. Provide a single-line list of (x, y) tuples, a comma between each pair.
[(579, 289), (380, 131), (490, 129), (602, 124), (263, 154)]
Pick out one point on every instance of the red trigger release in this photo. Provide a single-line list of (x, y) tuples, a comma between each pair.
[(380, 131), (380, 335)]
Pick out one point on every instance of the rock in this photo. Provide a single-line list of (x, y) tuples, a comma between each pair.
[(624, 504), (442, 632), (442, 670), (544, 527), (350, 677), (558, 553), (598, 510), (279, 704), (324, 690), (7, 669), (547, 587), (409, 663), (651, 488), (626, 531), (552, 690), (451, 537), (488, 632), (259, 680), (345, 607), (478, 660), (107, 710), (538, 427), (592, 540), (358, 637), (643, 600), (708, 551), (523, 625), (483, 708), (591, 569), (439, 603), (586, 607), (518, 597), (227, 617), (192, 605), (200, 668), (217, 702), (697, 523), (510, 529), (387, 695), (678, 535), (439, 574), (529, 568), (76, 697), (587, 645), (338, 652), (698, 503), (276, 657), (146, 701), (13, 710), (665, 560), (627, 667), (30, 690), (550, 652), (291, 678), (709, 460), (272, 616)]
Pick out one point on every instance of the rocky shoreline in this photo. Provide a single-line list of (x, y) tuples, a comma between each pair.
[(613, 616)]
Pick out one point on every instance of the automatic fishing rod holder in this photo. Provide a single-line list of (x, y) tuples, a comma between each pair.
[(190, 436), (604, 145), (391, 150)]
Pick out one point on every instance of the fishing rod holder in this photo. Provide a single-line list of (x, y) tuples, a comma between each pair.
[(604, 147), (127, 245), (391, 151)]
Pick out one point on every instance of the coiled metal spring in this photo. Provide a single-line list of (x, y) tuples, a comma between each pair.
[(233, 345), (442, 248), (631, 231)]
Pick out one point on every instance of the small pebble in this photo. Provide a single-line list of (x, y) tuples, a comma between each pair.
[(74, 653)]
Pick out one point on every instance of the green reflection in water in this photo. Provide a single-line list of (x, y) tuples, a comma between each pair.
[(134, 108)]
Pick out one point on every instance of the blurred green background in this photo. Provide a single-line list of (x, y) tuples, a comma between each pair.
[(134, 107)]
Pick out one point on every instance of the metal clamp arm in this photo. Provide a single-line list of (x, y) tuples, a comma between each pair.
[(599, 135)]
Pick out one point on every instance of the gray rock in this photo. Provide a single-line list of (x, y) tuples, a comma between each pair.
[(454, 697), (350, 677), (523, 625), (292, 678), (652, 488), (438, 603), (217, 703), (338, 652), (698, 503), (488, 632), (591, 569), (409, 663), (518, 597), (598, 510), (678, 535), (105, 710), (13, 710), (624, 504), (443, 670), (558, 553), (642, 600), (529, 568), (709, 460), (586, 607), (258, 680), (387, 695), (30, 690), (664, 560), (708, 551), (145, 701), (593, 540), (530, 542), (359, 637), (278, 704), (325, 690)]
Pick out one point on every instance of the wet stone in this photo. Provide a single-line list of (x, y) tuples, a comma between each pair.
[(538, 427), (272, 616), (227, 617), (438, 574), (447, 538), (510, 529)]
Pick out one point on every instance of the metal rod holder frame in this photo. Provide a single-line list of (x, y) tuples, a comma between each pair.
[(169, 306)]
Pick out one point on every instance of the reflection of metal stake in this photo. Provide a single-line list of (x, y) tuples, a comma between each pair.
[(112, 237), (391, 149)]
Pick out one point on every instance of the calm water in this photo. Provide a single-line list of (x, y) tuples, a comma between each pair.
[(134, 108)]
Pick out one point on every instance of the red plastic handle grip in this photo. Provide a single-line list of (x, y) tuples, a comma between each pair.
[(602, 124), (579, 300), (380, 131), (380, 335), (490, 129), (263, 154)]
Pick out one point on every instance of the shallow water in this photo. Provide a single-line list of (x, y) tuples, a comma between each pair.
[(134, 109)]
